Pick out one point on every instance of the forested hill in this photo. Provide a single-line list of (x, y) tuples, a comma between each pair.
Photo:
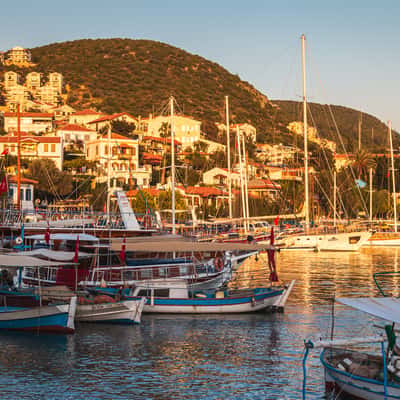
[(334, 122), (138, 76)]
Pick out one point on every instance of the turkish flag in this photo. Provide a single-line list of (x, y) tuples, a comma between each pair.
[(5, 152), (276, 221), (3, 185)]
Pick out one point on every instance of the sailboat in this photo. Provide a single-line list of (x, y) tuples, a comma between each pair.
[(391, 238), (344, 241)]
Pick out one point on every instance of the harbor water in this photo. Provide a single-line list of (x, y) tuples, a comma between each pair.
[(246, 356)]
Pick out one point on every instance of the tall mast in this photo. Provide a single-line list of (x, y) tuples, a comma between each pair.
[(109, 173), (306, 189), (245, 184), (334, 198), (18, 159), (173, 164), (370, 195), (393, 177), (241, 178), (228, 147)]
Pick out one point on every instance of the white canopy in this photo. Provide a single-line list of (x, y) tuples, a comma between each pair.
[(65, 236), (17, 261), (52, 254), (383, 307)]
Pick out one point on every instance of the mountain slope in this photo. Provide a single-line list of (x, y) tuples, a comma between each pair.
[(138, 76)]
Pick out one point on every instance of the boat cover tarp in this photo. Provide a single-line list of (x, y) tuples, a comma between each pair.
[(52, 254), (65, 236), (7, 261), (383, 307), (167, 246)]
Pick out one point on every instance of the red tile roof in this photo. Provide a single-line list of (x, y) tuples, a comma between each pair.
[(150, 191), (116, 136), (204, 191), (110, 117), (14, 179), (74, 127), (28, 114), (26, 137)]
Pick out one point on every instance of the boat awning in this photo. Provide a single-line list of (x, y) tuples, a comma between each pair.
[(17, 261), (168, 246), (383, 307), (52, 254), (65, 236)]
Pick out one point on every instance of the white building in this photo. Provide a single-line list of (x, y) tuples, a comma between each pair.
[(29, 122), (27, 192), (18, 55), (73, 133), (34, 147), (187, 130), (83, 117), (123, 159), (219, 177)]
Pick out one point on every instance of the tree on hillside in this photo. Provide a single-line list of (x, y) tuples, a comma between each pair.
[(123, 128), (53, 183), (363, 162)]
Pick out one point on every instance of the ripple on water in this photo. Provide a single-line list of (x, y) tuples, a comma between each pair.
[(255, 356)]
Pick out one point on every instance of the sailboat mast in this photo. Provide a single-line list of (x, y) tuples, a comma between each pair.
[(306, 189), (370, 196), (109, 173), (18, 158), (393, 177), (241, 178), (245, 183), (228, 147), (334, 198), (172, 164)]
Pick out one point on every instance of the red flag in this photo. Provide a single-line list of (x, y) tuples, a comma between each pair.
[(3, 185), (276, 220), (273, 276), (5, 152), (388, 174), (76, 250), (47, 235), (122, 253), (105, 208)]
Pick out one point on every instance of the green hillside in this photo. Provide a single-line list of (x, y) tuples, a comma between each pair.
[(138, 76)]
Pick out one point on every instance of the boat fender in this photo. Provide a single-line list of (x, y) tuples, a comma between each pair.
[(253, 301), (340, 366), (218, 264), (391, 369), (18, 240), (347, 362)]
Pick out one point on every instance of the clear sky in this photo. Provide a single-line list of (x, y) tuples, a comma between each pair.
[(353, 54)]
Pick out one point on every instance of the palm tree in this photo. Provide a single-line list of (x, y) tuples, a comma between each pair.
[(363, 162)]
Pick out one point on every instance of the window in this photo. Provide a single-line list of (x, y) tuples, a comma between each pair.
[(28, 194), (67, 137), (53, 147), (46, 148)]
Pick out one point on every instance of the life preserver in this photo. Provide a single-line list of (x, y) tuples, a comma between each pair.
[(218, 264), (18, 240)]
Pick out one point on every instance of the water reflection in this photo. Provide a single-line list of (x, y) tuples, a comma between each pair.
[(253, 356)]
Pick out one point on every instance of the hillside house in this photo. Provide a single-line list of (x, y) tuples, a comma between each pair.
[(106, 120), (187, 130), (123, 158), (34, 147), (29, 122), (219, 177), (83, 117)]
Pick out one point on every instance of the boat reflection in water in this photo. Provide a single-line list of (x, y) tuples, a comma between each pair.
[(241, 356)]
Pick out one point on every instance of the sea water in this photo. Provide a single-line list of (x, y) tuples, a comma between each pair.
[(244, 356)]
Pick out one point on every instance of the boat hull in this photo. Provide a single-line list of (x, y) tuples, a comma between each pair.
[(356, 386), (229, 305), (52, 319), (122, 312)]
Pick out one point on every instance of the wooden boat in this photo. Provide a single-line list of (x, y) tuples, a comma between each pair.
[(358, 374), (120, 312), (176, 296), (51, 318)]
